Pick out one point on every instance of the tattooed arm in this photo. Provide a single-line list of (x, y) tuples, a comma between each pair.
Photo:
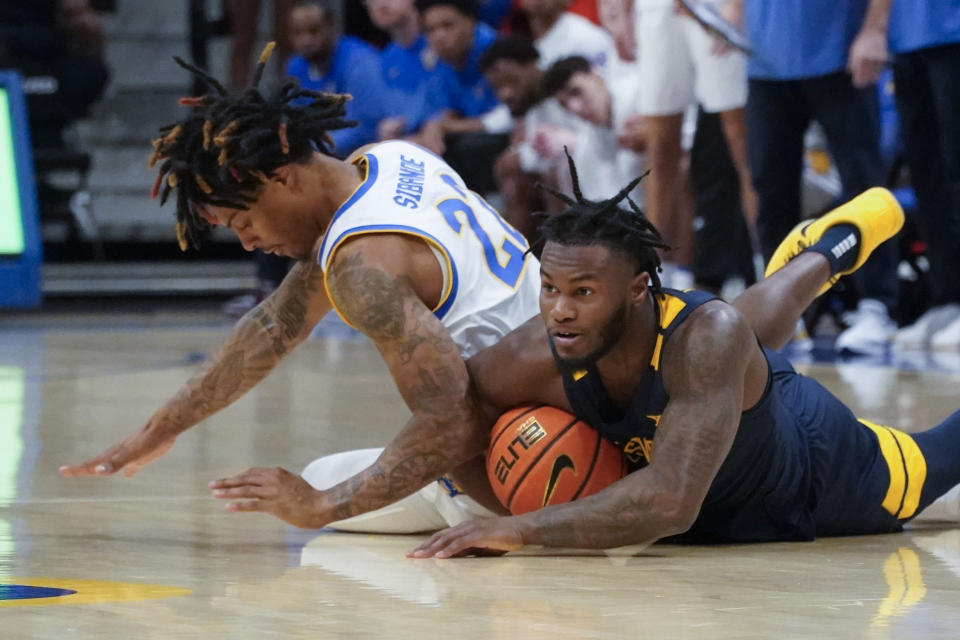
[(706, 363), (378, 283), (376, 289), (251, 350)]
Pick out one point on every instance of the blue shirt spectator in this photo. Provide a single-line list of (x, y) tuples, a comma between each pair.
[(918, 24), (354, 68), (794, 39), (407, 72), (464, 89)]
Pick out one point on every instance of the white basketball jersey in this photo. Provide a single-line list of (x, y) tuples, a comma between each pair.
[(491, 285)]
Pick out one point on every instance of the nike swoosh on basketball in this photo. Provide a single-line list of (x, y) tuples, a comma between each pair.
[(562, 462)]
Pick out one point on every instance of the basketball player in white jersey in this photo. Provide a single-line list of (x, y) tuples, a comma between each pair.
[(390, 238)]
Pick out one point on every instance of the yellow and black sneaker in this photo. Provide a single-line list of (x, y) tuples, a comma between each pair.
[(845, 236)]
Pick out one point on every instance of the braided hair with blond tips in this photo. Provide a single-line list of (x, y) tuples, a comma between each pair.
[(588, 222), (230, 144)]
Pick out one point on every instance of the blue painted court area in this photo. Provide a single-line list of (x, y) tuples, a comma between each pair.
[(22, 592)]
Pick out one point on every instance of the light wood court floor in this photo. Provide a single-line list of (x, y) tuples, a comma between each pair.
[(156, 557)]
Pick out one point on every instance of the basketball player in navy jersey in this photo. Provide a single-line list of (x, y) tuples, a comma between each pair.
[(727, 443)]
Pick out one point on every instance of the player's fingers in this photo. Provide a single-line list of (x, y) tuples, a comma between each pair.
[(245, 506), (115, 460), (250, 476), (101, 465), (466, 544), (431, 545), (445, 540), (76, 470), (246, 491)]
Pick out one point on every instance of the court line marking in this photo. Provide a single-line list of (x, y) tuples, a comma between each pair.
[(91, 591)]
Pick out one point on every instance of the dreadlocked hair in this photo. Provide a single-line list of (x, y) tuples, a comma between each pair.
[(223, 152), (588, 222)]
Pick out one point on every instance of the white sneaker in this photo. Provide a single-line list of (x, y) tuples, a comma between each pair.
[(870, 332), (918, 334), (947, 338)]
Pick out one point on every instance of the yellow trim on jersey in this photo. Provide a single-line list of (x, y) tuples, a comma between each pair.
[(670, 308), (579, 374), (326, 271), (463, 225), (523, 269), (655, 360), (908, 470)]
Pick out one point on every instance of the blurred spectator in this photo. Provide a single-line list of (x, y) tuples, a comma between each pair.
[(558, 33), (610, 155), (514, 71), (925, 38), (408, 65), (473, 131), (616, 16), (57, 45), (820, 68), (244, 16), (721, 239), (680, 65), (325, 60), (512, 67)]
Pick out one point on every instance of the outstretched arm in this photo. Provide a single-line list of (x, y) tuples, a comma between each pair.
[(708, 359), (259, 341)]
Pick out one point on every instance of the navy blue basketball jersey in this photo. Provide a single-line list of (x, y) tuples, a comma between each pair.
[(762, 490), (632, 430)]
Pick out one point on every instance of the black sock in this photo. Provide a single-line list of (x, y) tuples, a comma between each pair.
[(840, 245)]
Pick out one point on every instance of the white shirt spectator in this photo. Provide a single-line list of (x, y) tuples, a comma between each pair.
[(603, 165), (574, 35)]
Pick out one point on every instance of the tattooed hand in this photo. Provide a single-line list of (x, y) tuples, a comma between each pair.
[(253, 348), (130, 454), (275, 491), (483, 537)]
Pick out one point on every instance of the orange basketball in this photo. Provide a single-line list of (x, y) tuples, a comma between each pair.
[(541, 455)]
